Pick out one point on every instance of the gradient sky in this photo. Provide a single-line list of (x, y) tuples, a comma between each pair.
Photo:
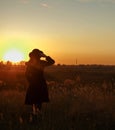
[(64, 29)]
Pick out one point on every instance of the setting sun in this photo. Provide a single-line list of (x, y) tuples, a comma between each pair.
[(13, 55)]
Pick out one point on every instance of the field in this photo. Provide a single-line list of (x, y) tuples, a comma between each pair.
[(82, 97)]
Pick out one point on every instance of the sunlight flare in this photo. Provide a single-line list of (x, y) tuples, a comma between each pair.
[(13, 55)]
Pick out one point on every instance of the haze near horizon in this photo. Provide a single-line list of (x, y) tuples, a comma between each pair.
[(65, 30)]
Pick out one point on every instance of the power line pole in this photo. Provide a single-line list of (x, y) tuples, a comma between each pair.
[(76, 61)]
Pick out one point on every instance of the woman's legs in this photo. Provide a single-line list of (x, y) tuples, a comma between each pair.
[(37, 108), (34, 109)]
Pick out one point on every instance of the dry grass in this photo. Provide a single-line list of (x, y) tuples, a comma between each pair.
[(75, 108)]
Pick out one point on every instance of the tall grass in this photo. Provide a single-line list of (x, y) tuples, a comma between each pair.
[(83, 107)]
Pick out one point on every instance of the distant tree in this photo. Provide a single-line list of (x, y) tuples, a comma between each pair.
[(9, 63), (22, 63), (1, 64), (58, 64)]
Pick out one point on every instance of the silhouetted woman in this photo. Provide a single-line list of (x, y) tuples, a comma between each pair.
[(37, 92)]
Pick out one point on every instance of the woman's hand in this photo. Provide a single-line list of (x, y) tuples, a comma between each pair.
[(43, 55)]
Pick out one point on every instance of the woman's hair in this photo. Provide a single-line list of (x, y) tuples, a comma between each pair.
[(35, 53)]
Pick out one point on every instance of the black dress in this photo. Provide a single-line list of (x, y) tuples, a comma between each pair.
[(37, 91)]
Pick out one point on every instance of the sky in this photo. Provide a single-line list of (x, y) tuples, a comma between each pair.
[(66, 30)]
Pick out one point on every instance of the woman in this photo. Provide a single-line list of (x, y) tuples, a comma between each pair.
[(37, 92)]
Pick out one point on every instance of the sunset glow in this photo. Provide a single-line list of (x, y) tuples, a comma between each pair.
[(13, 56), (66, 29)]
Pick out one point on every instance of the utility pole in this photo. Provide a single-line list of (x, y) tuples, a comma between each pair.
[(76, 61)]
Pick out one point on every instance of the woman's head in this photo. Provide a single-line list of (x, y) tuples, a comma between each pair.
[(36, 53)]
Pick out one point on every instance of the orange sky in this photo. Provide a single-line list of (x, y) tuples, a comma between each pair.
[(65, 30)]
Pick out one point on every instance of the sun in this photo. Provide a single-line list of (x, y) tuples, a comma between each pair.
[(13, 55)]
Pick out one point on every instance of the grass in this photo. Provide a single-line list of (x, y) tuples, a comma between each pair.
[(83, 108)]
